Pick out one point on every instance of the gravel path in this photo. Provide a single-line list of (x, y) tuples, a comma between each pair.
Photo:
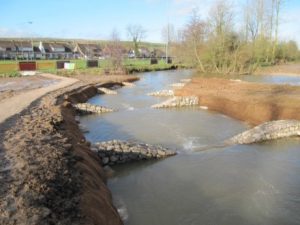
[(17, 103)]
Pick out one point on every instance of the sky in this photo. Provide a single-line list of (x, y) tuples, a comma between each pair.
[(96, 19)]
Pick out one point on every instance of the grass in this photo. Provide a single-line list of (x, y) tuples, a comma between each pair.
[(10, 74), (130, 66), (8, 62), (144, 65)]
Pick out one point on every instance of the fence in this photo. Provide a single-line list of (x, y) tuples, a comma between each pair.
[(27, 66)]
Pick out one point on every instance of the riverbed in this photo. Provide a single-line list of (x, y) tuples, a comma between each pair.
[(251, 184)]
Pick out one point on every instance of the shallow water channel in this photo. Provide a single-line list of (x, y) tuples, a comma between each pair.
[(251, 184)]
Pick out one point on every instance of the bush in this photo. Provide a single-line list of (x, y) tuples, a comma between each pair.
[(11, 74)]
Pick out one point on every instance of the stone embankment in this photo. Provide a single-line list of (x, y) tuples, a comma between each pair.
[(128, 84), (87, 108), (119, 152), (267, 131), (107, 91), (178, 85), (162, 93), (185, 80), (178, 102)]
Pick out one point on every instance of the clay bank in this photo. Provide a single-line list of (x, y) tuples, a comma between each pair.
[(254, 103)]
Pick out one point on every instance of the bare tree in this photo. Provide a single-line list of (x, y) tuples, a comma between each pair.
[(194, 36), (169, 37), (136, 33), (168, 33), (223, 37), (277, 8), (114, 50), (214, 45)]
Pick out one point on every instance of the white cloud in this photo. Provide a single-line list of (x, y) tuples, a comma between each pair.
[(6, 32)]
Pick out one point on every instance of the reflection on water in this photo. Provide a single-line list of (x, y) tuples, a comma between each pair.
[(254, 184), (272, 79), (269, 79)]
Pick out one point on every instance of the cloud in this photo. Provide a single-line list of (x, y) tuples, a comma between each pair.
[(9, 32)]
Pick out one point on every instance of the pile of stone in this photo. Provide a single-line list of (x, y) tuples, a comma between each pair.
[(177, 85), (162, 93), (185, 80), (107, 91), (119, 152), (87, 108), (178, 102), (128, 84), (268, 131)]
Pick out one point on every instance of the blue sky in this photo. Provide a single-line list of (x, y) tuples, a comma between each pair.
[(95, 19)]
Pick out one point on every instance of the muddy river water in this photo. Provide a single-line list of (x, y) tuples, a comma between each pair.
[(250, 184)]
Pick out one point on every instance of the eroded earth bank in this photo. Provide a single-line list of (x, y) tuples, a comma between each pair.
[(48, 173), (254, 103)]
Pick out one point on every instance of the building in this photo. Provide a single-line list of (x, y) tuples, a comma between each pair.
[(89, 51), (7, 50), (159, 53), (56, 50), (24, 50), (144, 53)]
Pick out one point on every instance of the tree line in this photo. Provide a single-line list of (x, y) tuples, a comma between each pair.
[(223, 43)]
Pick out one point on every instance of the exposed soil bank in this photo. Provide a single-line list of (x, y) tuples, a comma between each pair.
[(48, 173), (251, 102), (292, 69)]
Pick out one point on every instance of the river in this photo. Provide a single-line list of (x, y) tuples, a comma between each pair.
[(250, 184)]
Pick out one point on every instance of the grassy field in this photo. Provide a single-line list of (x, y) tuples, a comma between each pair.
[(10, 68)]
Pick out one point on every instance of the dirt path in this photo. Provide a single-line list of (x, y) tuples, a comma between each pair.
[(19, 102)]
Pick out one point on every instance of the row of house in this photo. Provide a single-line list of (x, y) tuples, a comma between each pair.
[(47, 50), (58, 50)]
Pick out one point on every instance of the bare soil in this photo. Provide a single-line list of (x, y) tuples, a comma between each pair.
[(48, 173), (285, 69), (12, 86), (250, 102)]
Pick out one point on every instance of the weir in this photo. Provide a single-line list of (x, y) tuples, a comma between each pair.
[(87, 108), (119, 152), (177, 102), (267, 131)]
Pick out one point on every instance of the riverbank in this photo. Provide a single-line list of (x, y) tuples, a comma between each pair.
[(254, 103), (291, 69), (48, 173)]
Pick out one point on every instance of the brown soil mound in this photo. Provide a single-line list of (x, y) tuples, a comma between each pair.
[(251, 102)]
